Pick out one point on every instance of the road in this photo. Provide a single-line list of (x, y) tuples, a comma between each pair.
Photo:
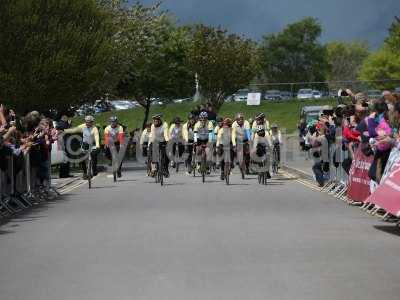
[(186, 240)]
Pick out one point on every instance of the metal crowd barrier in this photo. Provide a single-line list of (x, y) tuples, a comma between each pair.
[(338, 180), (19, 189)]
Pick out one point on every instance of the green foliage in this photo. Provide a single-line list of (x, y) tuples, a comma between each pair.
[(224, 62), (295, 54), (154, 57), (345, 60), (53, 53), (384, 64)]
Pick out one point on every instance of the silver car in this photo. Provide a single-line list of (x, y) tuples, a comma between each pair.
[(305, 94)]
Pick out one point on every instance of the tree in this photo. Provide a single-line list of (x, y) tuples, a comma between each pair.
[(383, 66), (295, 54), (53, 53), (155, 57), (345, 60), (224, 62)]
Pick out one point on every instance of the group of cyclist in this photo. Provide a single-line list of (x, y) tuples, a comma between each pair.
[(219, 142)]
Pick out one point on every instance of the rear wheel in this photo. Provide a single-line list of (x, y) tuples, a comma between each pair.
[(161, 168), (227, 172), (115, 176), (203, 168), (89, 173)]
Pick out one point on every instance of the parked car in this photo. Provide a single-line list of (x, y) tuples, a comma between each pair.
[(374, 94), (272, 95), (182, 100), (241, 95), (123, 104), (333, 94), (305, 94), (85, 109), (101, 106), (156, 101), (311, 113), (397, 90), (317, 94), (286, 95)]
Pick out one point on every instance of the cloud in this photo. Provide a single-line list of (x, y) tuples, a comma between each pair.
[(341, 19)]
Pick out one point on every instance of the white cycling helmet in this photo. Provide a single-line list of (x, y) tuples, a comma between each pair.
[(203, 115)]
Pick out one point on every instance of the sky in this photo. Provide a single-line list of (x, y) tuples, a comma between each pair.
[(347, 20)]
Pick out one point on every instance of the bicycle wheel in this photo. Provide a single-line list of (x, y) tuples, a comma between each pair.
[(161, 168), (203, 168), (89, 173), (115, 176), (260, 178), (242, 170), (227, 172)]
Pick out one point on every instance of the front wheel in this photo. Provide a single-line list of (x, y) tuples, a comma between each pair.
[(227, 172), (89, 173)]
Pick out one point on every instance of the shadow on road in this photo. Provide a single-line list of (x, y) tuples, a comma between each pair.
[(4, 232), (391, 229), (103, 187)]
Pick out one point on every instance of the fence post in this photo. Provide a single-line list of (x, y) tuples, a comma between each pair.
[(12, 198), (3, 201)]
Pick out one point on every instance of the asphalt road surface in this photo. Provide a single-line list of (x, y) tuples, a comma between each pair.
[(188, 240)]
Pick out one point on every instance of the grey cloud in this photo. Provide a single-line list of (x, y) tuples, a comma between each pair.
[(341, 19)]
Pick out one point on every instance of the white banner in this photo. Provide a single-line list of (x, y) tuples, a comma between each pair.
[(254, 99)]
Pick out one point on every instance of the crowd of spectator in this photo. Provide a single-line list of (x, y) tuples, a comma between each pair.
[(372, 124)]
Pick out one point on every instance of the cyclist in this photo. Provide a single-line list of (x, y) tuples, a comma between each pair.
[(261, 147), (158, 141), (144, 146), (114, 136), (90, 139), (176, 135), (276, 140), (260, 120), (144, 139), (224, 144), (219, 124), (203, 134), (188, 137), (241, 135)]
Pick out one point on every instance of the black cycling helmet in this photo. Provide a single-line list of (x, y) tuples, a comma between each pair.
[(191, 116), (260, 116), (177, 120), (219, 119), (157, 116)]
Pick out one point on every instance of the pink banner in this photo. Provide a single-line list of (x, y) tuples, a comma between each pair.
[(387, 195), (359, 180)]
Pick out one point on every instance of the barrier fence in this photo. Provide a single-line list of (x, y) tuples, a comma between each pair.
[(356, 188), (20, 187)]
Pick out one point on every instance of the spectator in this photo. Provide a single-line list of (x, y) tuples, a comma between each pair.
[(63, 124)]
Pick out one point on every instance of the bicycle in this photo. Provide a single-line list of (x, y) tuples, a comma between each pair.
[(227, 172), (89, 167), (177, 157), (159, 172), (262, 174), (242, 160), (275, 157), (203, 164)]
